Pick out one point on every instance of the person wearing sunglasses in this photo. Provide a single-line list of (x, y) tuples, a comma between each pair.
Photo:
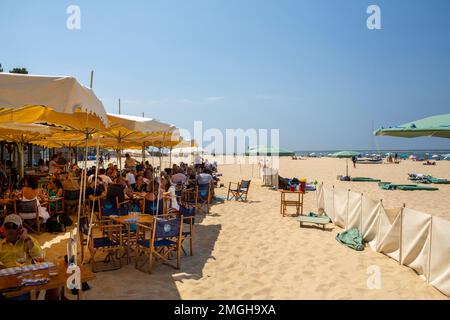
[(19, 244), (17, 240)]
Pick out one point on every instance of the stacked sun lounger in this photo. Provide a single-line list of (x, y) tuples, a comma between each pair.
[(421, 178)]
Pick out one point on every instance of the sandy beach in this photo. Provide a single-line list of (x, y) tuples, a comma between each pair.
[(249, 251)]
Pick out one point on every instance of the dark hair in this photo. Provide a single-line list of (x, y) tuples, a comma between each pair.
[(102, 171), (41, 162), (57, 183), (33, 183)]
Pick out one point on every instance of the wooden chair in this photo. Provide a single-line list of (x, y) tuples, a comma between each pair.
[(153, 207), (159, 240), (71, 199), (29, 212), (241, 190), (188, 213), (204, 195), (57, 208), (109, 241), (189, 196)]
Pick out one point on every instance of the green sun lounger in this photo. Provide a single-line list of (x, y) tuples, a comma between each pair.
[(438, 181), (416, 188), (405, 187), (362, 179), (314, 219)]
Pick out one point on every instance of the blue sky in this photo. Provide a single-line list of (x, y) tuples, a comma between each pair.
[(310, 68)]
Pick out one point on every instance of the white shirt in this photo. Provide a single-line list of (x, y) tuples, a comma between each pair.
[(198, 159), (130, 178), (179, 177), (174, 198)]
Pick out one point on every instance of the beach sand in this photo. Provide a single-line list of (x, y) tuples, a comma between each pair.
[(249, 251)]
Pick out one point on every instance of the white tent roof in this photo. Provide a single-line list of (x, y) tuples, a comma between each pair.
[(60, 93)]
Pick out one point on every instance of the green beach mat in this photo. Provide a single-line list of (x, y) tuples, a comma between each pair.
[(352, 239), (363, 179)]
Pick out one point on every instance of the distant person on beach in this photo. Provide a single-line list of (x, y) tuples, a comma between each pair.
[(354, 161), (130, 163)]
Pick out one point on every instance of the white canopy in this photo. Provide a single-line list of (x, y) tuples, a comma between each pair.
[(48, 98)]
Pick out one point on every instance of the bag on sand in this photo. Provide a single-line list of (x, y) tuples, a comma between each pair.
[(352, 239), (54, 225)]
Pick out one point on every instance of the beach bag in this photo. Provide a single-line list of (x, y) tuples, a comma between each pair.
[(352, 239), (54, 225)]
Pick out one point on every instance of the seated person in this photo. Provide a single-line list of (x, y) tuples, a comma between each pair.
[(116, 190), (130, 177), (16, 242), (179, 177), (42, 167), (94, 191), (55, 190), (69, 182), (31, 191), (140, 185)]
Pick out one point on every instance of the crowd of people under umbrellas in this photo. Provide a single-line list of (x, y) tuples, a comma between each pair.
[(110, 183)]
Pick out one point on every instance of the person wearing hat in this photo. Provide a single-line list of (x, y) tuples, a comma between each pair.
[(16, 240)]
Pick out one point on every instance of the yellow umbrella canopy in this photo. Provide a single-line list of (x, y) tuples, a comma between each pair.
[(22, 133), (58, 101)]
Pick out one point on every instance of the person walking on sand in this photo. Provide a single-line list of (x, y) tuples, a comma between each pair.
[(354, 161)]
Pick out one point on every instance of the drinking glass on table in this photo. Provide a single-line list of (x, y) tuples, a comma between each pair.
[(39, 257), (21, 258)]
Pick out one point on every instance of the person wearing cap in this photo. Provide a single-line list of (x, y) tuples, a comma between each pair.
[(16, 240)]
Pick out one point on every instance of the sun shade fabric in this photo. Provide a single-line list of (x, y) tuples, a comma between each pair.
[(354, 214), (320, 199), (328, 194), (389, 232), (370, 211), (440, 255), (435, 126), (268, 151), (23, 132), (60, 101), (416, 232), (340, 207)]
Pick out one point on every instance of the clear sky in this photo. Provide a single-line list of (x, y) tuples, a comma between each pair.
[(310, 68)]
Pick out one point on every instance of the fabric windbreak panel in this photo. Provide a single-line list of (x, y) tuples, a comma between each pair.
[(416, 227), (389, 232), (354, 211), (370, 210), (328, 195), (340, 207), (440, 255), (320, 199)]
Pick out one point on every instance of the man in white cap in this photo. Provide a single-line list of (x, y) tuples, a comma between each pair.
[(17, 240)]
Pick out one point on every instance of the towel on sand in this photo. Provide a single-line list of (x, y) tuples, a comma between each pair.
[(352, 239)]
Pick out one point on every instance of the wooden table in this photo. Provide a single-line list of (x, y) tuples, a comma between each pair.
[(297, 202), (8, 283), (142, 219)]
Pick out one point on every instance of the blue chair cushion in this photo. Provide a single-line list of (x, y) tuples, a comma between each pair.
[(158, 243), (104, 242)]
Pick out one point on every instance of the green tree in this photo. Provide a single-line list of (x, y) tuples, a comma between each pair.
[(19, 70), (1, 69)]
